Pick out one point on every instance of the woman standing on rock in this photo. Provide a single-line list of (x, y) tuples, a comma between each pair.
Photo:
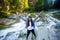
[(30, 25)]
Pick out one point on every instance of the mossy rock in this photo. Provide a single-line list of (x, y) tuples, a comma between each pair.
[(3, 26), (42, 14), (57, 16)]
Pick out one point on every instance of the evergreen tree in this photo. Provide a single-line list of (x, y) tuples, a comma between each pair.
[(57, 4)]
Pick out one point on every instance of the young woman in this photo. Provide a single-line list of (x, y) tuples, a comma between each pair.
[(30, 25)]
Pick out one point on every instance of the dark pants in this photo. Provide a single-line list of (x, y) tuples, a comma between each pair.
[(28, 32)]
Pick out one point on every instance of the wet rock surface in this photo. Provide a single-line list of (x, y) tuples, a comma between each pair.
[(43, 30)]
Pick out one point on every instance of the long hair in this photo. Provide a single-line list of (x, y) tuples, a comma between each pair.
[(32, 24)]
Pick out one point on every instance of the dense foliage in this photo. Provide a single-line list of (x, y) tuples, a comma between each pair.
[(8, 7)]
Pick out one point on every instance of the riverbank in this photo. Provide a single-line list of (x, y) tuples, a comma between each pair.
[(6, 22)]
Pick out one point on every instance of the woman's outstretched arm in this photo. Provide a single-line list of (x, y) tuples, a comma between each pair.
[(38, 16), (22, 17)]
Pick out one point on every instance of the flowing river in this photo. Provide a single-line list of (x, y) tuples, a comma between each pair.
[(48, 29)]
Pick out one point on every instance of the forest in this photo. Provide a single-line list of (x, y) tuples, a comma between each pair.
[(8, 7)]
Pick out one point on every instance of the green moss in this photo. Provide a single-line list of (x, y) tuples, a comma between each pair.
[(22, 35), (3, 27), (56, 16)]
